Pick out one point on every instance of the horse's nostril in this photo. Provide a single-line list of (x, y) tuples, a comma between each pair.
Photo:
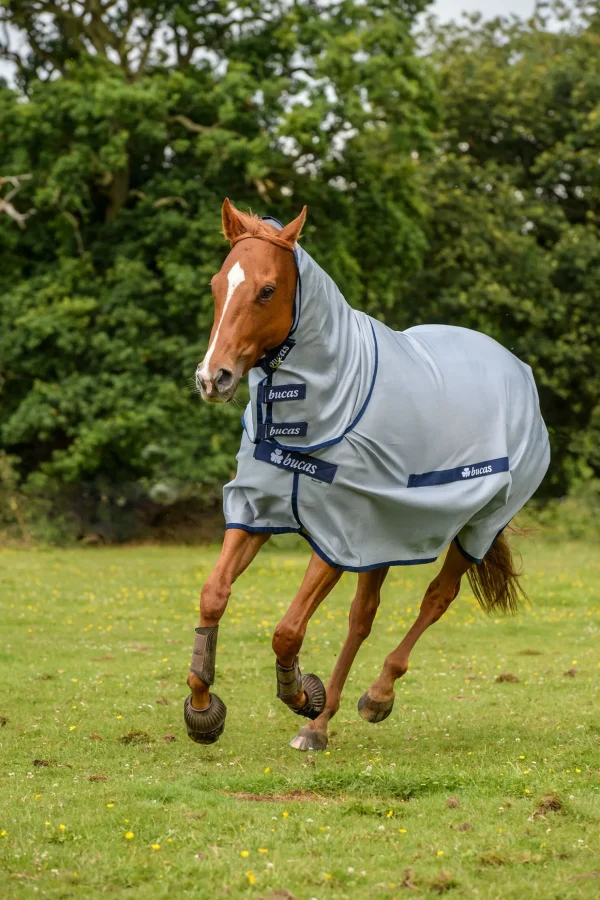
[(223, 380)]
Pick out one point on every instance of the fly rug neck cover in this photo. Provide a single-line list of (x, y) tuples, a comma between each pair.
[(380, 447)]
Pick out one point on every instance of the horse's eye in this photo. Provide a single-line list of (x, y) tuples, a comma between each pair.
[(266, 292)]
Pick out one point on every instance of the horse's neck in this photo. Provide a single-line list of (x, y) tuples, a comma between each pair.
[(328, 334)]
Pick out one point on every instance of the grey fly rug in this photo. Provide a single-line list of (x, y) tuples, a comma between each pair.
[(381, 447)]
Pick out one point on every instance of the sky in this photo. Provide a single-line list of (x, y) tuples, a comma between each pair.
[(444, 9), (451, 9)]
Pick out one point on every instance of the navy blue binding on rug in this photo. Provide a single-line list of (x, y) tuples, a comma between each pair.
[(460, 473)]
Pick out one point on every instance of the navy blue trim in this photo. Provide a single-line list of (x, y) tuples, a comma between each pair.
[(353, 424), (467, 556), (381, 565), (460, 473), (295, 500), (474, 559), (257, 529), (297, 298)]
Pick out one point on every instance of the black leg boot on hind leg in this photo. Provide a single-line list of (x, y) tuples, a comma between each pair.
[(205, 726)]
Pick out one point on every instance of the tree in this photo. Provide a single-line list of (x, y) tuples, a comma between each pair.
[(135, 121), (513, 196)]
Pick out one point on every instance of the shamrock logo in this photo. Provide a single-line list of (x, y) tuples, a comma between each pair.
[(466, 472), (277, 457)]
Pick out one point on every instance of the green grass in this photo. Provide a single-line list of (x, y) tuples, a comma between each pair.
[(91, 639)]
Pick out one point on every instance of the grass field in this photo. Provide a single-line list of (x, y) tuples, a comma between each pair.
[(102, 793)]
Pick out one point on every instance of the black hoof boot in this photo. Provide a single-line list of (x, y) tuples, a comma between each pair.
[(315, 697), (374, 710), (205, 726)]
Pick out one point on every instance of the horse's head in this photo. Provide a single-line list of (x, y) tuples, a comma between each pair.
[(254, 299)]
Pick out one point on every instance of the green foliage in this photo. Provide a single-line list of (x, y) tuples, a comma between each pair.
[(513, 193), (134, 130), (135, 123)]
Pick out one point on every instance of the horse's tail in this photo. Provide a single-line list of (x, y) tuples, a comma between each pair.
[(495, 580)]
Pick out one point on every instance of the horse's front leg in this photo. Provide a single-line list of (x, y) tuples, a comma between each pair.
[(204, 713), (360, 620), (304, 694)]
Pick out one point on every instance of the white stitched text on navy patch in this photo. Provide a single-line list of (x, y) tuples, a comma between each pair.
[(294, 461), (273, 358), (271, 393), (283, 429), (460, 473)]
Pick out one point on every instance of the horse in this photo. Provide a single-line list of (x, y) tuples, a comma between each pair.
[(379, 447)]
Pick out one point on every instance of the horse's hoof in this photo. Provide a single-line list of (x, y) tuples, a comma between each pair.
[(205, 726), (374, 710), (307, 739), (315, 699)]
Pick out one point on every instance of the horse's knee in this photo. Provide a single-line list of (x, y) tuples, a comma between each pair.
[(286, 642), (213, 600)]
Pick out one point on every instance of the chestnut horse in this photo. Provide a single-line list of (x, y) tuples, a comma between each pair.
[(254, 296)]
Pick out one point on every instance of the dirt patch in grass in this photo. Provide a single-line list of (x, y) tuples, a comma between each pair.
[(97, 777), (501, 859), (48, 762), (279, 894), (529, 652), (303, 796), (134, 737), (493, 859), (570, 673), (444, 882), (408, 880), (507, 677), (548, 803), (452, 802)]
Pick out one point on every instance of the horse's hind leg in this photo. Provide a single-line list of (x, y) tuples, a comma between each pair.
[(304, 694), (362, 613), (377, 703), (204, 712)]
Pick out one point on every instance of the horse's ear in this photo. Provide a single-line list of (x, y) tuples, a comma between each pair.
[(292, 230), (233, 221)]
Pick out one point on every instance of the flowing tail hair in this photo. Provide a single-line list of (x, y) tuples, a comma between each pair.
[(495, 581)]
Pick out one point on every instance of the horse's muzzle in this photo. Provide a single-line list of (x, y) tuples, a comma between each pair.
[(219, 388)]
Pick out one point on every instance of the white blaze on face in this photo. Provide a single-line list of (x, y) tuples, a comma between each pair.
[(235, 277)]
